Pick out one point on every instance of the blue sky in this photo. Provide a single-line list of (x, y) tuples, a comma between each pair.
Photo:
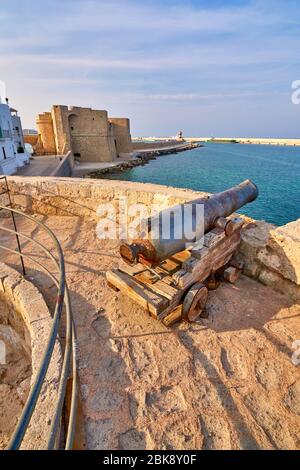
[(206, 67)]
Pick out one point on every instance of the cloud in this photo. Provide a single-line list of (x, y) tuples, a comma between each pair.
[(153, 54)]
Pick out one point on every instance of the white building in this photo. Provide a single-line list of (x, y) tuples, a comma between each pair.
[(12, 150)]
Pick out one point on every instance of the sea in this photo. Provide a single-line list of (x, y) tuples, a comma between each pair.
[(219, 166)]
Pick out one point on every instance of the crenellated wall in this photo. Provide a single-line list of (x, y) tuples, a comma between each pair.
[(90, 134)]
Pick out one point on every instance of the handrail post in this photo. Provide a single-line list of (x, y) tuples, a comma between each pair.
[(14, 223)]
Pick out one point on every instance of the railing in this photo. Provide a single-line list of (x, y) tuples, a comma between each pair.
[(63, 298)]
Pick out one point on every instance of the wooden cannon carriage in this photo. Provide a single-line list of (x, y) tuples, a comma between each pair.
[(177, 289), (170, 281)]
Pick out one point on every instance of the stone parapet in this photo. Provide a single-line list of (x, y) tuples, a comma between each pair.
[(272, 255), (80, 197), (30, 317)]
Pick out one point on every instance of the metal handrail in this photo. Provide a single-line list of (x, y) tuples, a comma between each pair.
[(70, 348)]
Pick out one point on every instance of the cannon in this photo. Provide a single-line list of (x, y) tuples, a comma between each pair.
[(155, 247), (170, 272)]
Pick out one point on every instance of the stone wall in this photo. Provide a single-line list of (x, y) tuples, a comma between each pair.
[(31, 139), (154, 145), (46, 133), (88, 133), (61, 129), (65, 168), (271, 254), (121, 134), (82, 197), (30, 317), (90, 136)]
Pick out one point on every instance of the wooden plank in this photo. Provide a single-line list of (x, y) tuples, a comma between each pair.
[(181, 256), (218, 257), (159, 287), (211, 255), (112, 287), (173, 317), (161, 284), (200, 252), (165, 275), (231, 274), (147, 276), (200, 276), (214, 237), (171, 307), (170, 266), (190, 264), (182, 275), (132, 270), (152, 302), (233, 225)]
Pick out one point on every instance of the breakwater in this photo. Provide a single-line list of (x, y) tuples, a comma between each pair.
[(215, 167), (141, 158), (240, 140)]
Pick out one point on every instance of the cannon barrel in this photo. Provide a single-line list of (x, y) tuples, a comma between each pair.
[(156, 247)]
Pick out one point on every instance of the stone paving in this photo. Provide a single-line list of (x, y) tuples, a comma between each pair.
[(40, 166), (226, 382)]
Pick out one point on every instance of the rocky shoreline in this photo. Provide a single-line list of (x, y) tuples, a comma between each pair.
[(141, 158)]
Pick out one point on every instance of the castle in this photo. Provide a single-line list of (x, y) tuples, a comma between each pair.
[(90, 134)]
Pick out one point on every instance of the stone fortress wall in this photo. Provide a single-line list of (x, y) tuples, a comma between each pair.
[(47, 144), (89, 134), (121, 134), (270, 254)]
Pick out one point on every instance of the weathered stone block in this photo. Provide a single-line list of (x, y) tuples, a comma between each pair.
[(216, 433), (166, 400), (284, 244), (277, 282), (134, 440), (292, 398)]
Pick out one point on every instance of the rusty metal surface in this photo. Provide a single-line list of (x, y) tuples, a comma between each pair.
[(157, 247)]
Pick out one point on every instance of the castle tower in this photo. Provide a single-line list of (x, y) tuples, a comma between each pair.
[(46, 133)]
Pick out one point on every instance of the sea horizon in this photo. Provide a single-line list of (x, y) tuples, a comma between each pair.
[(217, 166)]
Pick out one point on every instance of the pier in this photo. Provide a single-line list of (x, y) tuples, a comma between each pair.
[(238, 140)]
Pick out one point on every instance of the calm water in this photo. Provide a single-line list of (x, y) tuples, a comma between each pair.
[(216, 167)]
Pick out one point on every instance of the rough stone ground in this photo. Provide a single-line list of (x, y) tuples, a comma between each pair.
[(40, 166), (227, 382)]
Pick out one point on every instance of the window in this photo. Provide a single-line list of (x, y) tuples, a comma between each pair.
[(4, 153)]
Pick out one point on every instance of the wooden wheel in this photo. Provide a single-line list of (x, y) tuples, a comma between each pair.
[(194, 301)]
